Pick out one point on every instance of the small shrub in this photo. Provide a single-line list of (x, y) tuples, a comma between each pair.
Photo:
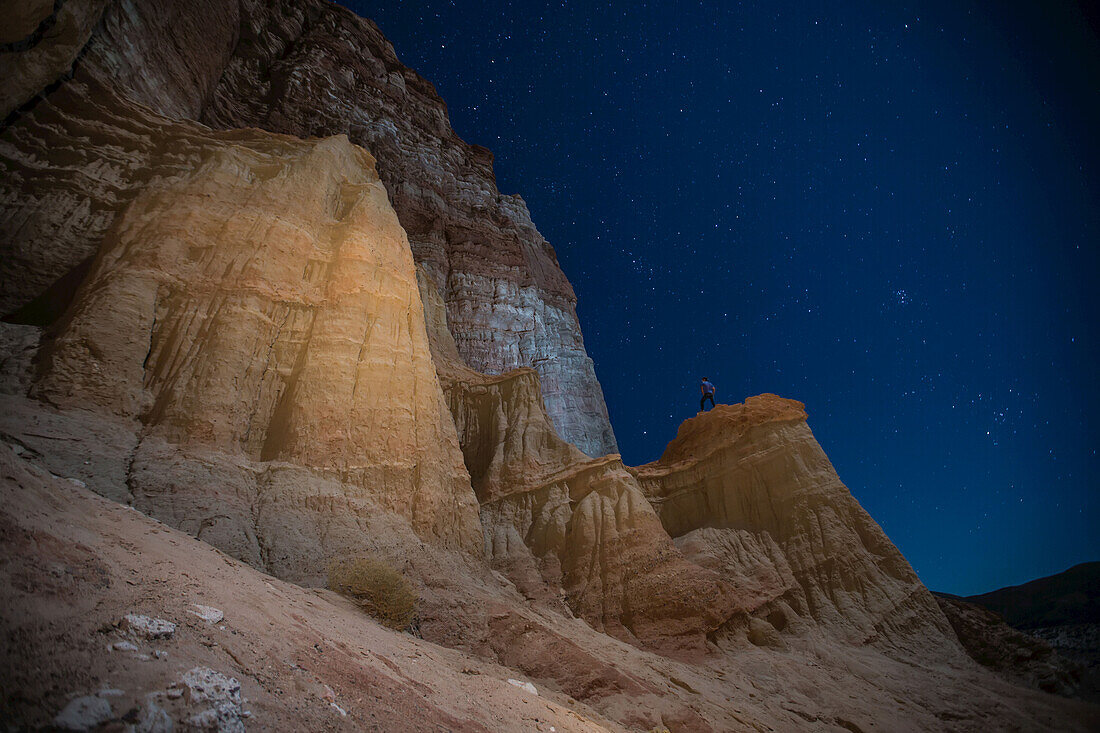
[(379, 589)]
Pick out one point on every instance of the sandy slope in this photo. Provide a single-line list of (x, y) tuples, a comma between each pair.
[(74, 564)]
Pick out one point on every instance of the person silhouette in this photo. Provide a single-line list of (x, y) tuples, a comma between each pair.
[(708, 390)]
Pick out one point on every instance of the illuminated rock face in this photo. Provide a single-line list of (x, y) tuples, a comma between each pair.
[(747, 491), (310, 68), (566, 528), (256, 296), (250, 305)]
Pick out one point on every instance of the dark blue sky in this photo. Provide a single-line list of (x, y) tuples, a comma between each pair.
[(888, 212)]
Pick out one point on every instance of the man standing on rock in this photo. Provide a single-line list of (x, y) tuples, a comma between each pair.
[(708, 393)]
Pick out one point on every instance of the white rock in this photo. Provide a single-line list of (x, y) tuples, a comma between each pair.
[(160, 654), (337, 708), (224, 693), (225, 718), (204, 684), (84, 713), (524, 686), (124, 646), (148, 627), (207, 613), (153, 718)]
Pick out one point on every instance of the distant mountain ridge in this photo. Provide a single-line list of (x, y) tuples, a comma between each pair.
[(1070, 597), (1062, 610)]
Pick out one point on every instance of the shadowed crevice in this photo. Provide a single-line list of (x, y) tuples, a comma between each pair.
[(45, 309)]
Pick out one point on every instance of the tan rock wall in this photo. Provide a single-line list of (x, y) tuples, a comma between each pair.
[(40, 40), (568, 529), (261, 298), (748, 491), (311, 68), (591, 539), (508, 441)]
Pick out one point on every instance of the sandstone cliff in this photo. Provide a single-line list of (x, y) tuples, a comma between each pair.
[(746, 490), (562, 526), (252, 316), (255, 297), (249, 332), (311, 68)]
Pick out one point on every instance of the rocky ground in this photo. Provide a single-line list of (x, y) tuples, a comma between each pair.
[(232, 648), (1079, 643), (1021, 657), (76, 565)]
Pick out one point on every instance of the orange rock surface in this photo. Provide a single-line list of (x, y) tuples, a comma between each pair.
[(747, 491), (257, 297)]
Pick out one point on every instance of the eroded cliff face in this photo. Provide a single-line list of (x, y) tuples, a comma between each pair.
[(747, 491), (252, 295), (249, 310), (565, 528), (310, 68)]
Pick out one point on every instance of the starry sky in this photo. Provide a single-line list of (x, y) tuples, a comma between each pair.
[(889, 211)]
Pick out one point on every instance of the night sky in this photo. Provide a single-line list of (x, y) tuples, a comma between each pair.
[(887, 212)]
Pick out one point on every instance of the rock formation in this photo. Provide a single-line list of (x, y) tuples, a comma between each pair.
[(561, 525), (747, 491), (256, 296), (311, 68), (252, 313), (257, 289), (76, 566)]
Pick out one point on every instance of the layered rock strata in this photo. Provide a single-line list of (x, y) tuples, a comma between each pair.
[(253, 313), (251, 339), (249, 308), (747, 491), (562, 526), (252, 295), (39, 41), (311, 68)]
